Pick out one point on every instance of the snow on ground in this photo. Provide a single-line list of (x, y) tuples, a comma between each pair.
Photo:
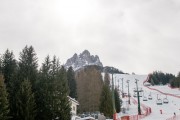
[(167, 109), (167, 89)]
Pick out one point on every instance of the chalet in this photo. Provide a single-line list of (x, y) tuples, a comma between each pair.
[(74, 105)]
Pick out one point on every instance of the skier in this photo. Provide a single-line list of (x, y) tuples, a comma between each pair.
[(174, 115)]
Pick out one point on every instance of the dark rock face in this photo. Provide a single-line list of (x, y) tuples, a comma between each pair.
[(84, 59)]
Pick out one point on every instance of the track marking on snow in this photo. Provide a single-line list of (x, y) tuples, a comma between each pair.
[(167, 109), (174, 117), (173, 95)]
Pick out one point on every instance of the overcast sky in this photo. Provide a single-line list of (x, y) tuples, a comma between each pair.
[(133, 35)]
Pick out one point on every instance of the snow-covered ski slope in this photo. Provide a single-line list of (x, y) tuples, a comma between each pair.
[(168, 110)]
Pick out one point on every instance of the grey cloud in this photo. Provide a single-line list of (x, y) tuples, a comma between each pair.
[(134, 35)]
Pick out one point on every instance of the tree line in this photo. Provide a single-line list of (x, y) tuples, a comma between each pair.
[(29, 93), (175, 83), (158, 77)]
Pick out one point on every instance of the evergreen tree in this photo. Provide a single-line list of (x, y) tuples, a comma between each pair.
[(159, 77), (4, 104), (26, 102), (27, 70), (60, 102), (107, 79), (172, 84), (117, 101), (55, 67), (28, 65), (178, 75), (8, 67), (0, 63), (9, 70), (43, 91), (53, 101), (71, 83), (175, 83), (106, 102)]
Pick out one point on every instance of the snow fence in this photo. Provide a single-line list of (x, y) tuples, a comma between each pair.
[(145, 111)]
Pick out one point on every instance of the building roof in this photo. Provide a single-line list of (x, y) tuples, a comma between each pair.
[(73, 100)]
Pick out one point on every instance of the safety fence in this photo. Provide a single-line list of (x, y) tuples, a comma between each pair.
[(132, 117), (145, 111)]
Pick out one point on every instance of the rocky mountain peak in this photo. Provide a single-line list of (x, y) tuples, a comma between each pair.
[(83, 59), (86, 52)]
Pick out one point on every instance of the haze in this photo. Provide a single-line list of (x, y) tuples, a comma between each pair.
[(133, 35)]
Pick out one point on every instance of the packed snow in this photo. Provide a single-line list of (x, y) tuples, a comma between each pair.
[(157, 92)]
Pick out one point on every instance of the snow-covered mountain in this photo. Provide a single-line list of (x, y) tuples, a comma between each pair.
[(83, 59)]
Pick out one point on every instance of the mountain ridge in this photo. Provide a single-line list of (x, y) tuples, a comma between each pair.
[(83, 59)]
